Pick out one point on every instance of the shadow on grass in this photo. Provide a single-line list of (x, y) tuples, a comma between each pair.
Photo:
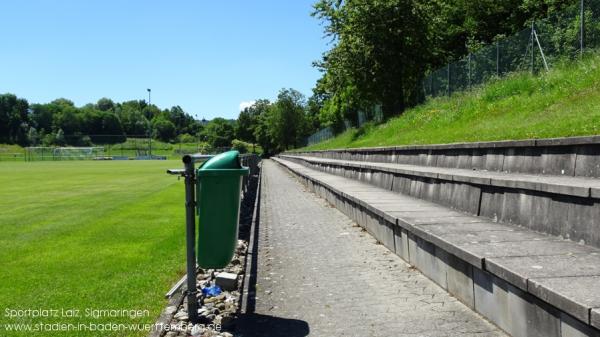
[(363, 130)]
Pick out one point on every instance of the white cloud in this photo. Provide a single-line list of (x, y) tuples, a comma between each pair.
[(246, 104)]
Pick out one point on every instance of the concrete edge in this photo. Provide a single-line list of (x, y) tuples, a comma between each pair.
[(250, 251), (559, 141), (494, 180)]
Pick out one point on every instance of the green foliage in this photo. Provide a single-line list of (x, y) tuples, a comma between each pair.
[(248, 120), (14, 120), (164, 129), (33, 136), (262, 135), (59, 139), (187, 138), (105, 104), (380, 53), (565, 102), (280, 125), (218, 133), (106, 122), (381, 49), (240, 146), (286, 122)]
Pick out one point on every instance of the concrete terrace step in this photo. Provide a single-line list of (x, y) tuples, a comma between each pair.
[(528, 283), (571, 156), (565, 185), (564, 206)]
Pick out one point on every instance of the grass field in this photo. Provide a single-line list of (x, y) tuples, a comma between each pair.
[(564, 102), (89, 235)]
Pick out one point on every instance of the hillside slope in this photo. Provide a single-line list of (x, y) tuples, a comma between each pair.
[(564, 102)]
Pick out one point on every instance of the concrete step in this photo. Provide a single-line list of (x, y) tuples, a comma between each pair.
[(557, 205), (571, 156), (527, 283)]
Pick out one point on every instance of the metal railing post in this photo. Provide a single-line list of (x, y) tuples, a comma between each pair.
[(541, 50), (469, 69), (449, 91), (190, 235), (498, 58), (532, 50)]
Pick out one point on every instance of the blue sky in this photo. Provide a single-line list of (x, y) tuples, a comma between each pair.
[(206, 56)]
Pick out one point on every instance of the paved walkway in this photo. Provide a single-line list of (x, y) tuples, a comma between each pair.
[(320, 274)]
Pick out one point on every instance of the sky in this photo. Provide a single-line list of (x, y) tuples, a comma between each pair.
[(209, 57)]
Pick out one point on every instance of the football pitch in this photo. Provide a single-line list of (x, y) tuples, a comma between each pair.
[(88, 245)]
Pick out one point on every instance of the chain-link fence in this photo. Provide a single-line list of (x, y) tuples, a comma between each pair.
[(563, 35), (105, 147), (374, 114)]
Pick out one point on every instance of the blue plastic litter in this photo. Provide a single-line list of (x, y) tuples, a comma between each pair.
[(211, 291)]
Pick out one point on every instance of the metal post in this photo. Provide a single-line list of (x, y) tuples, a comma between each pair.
[(469, 70), (498, 58), (541, 50), (149, 126), (532, 49), (431, 84), (582, 27), (448, 79), (190, 234)]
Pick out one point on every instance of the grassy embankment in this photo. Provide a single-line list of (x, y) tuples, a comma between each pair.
[(564, 102)]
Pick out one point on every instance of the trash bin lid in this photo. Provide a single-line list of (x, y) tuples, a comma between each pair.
[(225, 162)]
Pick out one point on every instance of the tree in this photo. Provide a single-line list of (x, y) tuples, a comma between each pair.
[(105, 104), (42, 116), (248, 120), (33, 136), (59, 139), (111, 127), (14, 119), (164, 129), (219, 132), (133, 120), (287, 121), (262, 134), (245, 125), (67, 119), (380, 53)]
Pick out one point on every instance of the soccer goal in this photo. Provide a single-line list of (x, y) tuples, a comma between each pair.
[(63, 153)]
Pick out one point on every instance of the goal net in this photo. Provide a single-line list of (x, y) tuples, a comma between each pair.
[(64, 153)]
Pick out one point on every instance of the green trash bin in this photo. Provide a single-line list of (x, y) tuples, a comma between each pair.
[(218, 189)]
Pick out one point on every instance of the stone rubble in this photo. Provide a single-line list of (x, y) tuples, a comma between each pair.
[(218, 313)]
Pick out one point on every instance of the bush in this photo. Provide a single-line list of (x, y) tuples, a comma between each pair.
[(187, 138), (240, 146)]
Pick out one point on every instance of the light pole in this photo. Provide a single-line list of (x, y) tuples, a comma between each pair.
[(149, 126)]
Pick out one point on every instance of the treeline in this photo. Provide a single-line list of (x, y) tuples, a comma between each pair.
[(275, 126), (280, 125), (60, 122)]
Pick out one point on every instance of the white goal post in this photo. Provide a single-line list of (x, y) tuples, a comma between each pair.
[(63, 153)]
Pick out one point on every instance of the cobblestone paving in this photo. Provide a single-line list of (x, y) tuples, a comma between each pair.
[(321, 274)]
